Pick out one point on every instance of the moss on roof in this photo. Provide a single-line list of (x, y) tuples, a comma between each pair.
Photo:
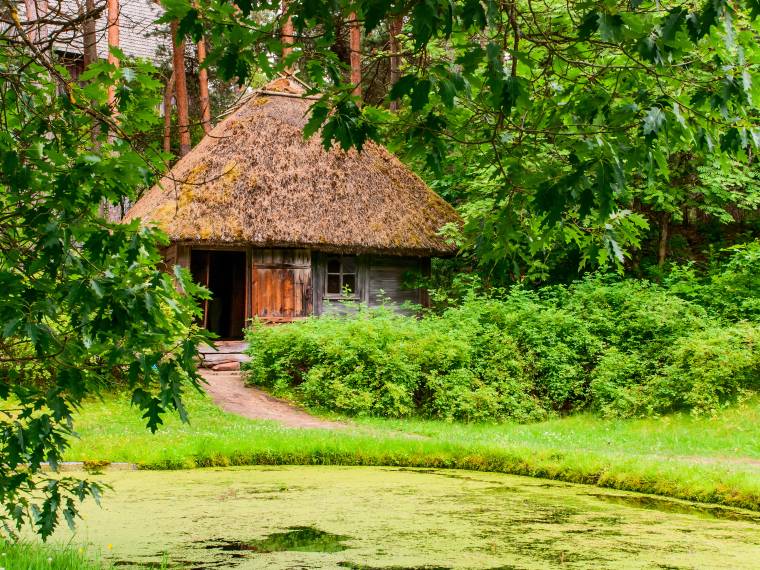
[(255, 180)]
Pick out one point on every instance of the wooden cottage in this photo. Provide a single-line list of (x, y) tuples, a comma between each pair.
[(279, 228)]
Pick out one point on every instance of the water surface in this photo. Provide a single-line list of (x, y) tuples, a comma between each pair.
[(362, 517)]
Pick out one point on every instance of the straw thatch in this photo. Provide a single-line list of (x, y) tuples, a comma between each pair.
[(255, 180)]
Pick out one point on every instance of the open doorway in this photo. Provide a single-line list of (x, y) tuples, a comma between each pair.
[(223, 273)]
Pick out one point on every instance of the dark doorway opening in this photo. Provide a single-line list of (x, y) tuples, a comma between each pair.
[(223, 273)]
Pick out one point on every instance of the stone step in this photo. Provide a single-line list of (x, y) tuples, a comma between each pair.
[(226, 367), (216, 358), (224, 347)]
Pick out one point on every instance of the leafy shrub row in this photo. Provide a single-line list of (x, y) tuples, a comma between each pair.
[(623, 348), (731, 292)]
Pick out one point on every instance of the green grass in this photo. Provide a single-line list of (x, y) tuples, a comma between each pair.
[(703, 459), (26, 555), (734, 434)]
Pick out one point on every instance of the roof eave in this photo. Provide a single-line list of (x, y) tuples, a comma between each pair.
[(351, 249)]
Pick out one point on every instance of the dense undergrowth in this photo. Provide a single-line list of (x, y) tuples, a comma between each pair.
[(623, 348)]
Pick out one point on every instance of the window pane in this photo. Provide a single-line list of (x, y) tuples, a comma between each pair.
[(349, 282), (349, 264), (333, 265), (333, 284)]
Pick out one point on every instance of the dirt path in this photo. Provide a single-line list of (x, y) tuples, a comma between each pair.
[(230, 393)]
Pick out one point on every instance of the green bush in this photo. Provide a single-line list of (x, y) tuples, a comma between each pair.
[(730, 291), (734, 291), (619, 384), (712, 367), (623, 348), (458, 365)]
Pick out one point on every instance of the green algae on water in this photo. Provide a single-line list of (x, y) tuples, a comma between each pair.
[(356, 517)]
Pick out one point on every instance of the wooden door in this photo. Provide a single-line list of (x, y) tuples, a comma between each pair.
[(281, 284)]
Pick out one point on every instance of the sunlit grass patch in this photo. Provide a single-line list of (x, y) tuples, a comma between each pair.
[(709, 459), (26, 555)]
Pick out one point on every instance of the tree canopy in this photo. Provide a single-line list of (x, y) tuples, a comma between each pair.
[(84, 304), (559, 114)]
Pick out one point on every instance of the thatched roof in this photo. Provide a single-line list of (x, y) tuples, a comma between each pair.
[(255, 180)]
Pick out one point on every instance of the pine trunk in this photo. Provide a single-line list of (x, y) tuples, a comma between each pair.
[(287, 37), (355, 46), (113, 41), (662, 250), (203, 88), (90, 51), (394, 28), (35, 10), (180, 90)]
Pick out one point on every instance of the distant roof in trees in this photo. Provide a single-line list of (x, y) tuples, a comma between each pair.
[(255, 180)]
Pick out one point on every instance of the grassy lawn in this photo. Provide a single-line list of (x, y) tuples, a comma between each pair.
[(705, 459), (35, 556), (733, 435)]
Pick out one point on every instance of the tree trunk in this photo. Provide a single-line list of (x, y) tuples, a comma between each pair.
[(355, 46), (168, 95), (394, 28), (30, 7), (90, 41), (180, 90), (203, 88), (287, 37), (662, 250), (36, 9), (113, 41)]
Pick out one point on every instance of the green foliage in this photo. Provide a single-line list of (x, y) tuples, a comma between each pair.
[(735, 290), (84, 303), (379, 363), (731, 290), (710, 368), (25, 555), (623, 348), (552, 125)]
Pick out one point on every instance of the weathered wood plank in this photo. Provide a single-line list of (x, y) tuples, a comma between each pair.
[(183, 256), (282, 281)]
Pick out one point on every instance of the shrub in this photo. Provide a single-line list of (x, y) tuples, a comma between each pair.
[(455, 366), (623, 348), (633, 315), (619, 384), (734, 291), (731, 291), (710, 368)]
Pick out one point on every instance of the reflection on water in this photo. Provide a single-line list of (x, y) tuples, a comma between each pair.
[(294, 539), (666, 505)]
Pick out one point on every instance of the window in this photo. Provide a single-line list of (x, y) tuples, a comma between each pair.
[(341, 277)]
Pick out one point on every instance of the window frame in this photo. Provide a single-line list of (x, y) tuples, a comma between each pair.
[(355, 294)]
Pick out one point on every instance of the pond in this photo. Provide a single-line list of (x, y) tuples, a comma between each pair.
[(357, 517)]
